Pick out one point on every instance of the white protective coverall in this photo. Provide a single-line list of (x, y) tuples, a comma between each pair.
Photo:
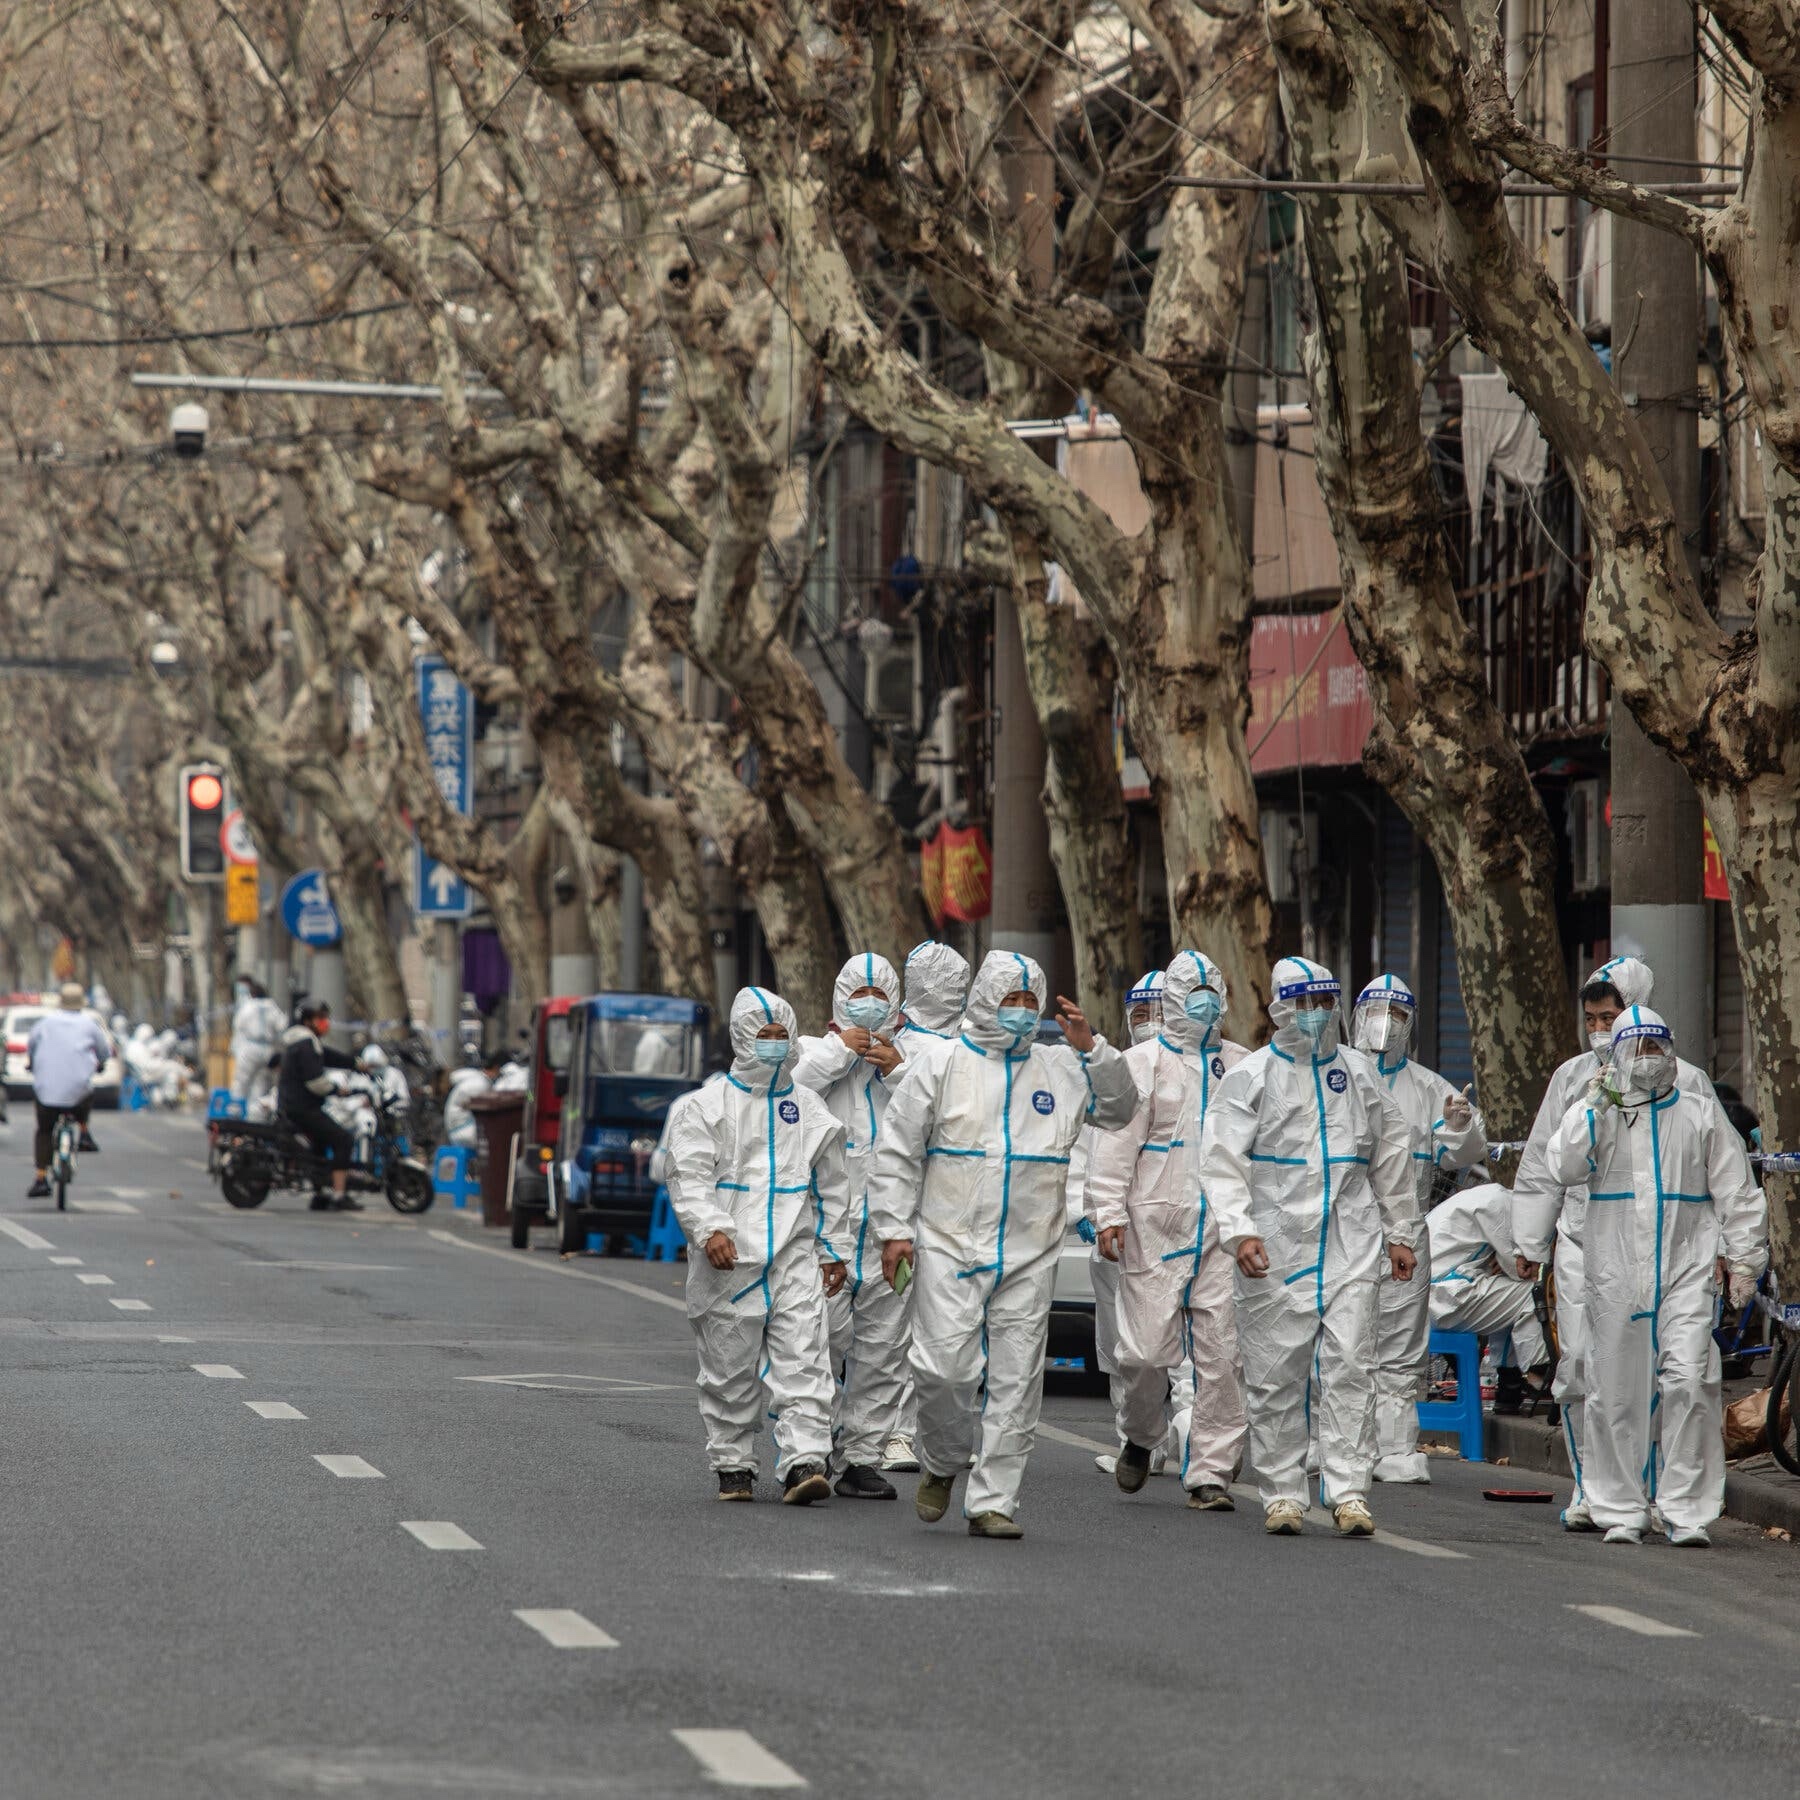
[(868, 1319), (761, 1159), (256, 1029), (1669, 1191), (1306, 1149), (1175, 1286), (1403, 1330), (1546, 1214), (1475, 1288), (971, 1165)]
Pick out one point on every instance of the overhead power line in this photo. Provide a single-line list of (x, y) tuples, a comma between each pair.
[(208, 336)]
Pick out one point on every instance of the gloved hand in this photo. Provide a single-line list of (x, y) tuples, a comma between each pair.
[(1603, 1090), (1084, 1229), (1741, 1286)]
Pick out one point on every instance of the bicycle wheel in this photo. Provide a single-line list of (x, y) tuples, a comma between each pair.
[(1784, 1383), (62, 1185)]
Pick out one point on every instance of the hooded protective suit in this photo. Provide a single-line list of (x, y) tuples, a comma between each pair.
[(868, 1319), (1545, 1213), (1175, 1288), (971, 1165), (760, 1159), (1307, 1150), (256, 1029), (1475, 1288), (1668, 1192), (1383, 1029), (937, 981)]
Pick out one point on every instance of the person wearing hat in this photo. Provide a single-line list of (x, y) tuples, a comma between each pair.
[(300, 1097), (66, 1050)]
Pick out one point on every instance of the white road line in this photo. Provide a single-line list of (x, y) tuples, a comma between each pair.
[(174, 1340), (95, 1280), (1057, 1435), (1626, 1620), (130, 1305), (101, 1206), (1418, 1546), (351, 1468), (340, 1267), (528, 1262), (439, 1534), (736, 1759), (564, 1629), (23, 1234), (65, 1262), (217, 1371), (274, 1409)]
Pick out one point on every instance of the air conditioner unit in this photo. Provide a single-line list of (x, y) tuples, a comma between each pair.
[(1590, 838), (888, 683), (1283, 844)]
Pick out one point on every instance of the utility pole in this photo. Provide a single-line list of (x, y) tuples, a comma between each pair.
[(1658, 904)]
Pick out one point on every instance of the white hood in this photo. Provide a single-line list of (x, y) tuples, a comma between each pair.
[(1190, 970), (753, 1009), (866, 970), (937, 979), (1002, 972)]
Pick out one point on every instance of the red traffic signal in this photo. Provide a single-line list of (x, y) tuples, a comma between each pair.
[(205, 791), (201, 799)]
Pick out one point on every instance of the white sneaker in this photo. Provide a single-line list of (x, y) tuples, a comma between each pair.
[(1354, 1519), (1690, 1537), (1576, 1517), (1286, 1518), (898, 1453), (1106, 1464), (1624, 1534)]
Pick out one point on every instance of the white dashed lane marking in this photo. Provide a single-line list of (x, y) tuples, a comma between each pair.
[(1418, 1546), (351, 1468), (95, 1280), (1626, 1620), (736, 1759), (564, 1629), (173, 1340), (217, 1371), (101, 1206), (439, 1534), (274, 1409), (65, 1262), (131, 1305), (23, 1234)]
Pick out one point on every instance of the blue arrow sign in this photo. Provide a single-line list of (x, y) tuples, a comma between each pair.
[(307, 910), (447, 712)]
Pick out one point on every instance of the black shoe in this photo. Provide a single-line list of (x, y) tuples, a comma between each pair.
[(736, 1484), (804, 1483), (87, 1143), (346, 1203), (320, 1203), (39, 1190), (1509, 1391), (1132, 1469), (1210, 1497), (860, 1482)]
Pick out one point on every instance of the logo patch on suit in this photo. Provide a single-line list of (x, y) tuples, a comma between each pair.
[(1044, 1101), (1337, 1081), (790, 1112), (1218, 1065)]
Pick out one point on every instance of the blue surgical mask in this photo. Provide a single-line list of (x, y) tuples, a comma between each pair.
[(1313, 1024), (1203, 1006), (870, 1012), (1017, 1021), (773, 1051)]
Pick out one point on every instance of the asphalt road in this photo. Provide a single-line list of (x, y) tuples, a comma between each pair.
[(198, 1604)]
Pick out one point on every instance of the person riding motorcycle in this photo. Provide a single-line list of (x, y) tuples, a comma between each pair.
[(304, 1083)]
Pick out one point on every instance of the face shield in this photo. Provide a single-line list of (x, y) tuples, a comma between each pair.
[(1643, 1058), (1144, 1008), (1305, 1008), (1382, 1027)]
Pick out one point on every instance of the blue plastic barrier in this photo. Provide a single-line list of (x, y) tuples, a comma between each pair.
[(1463, 1414), (451, 1176), (219, 1104), (667, 1240), (132, 1097)]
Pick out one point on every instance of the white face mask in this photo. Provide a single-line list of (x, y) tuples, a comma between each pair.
[(1600, 1042), (1143, 1030)]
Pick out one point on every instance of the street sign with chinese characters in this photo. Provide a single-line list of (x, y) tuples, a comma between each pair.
[(447, 712)]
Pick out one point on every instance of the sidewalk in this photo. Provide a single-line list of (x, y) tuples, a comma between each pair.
[(1757, 1489)]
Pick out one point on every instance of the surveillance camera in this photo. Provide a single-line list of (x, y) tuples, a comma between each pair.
[(187, 426)]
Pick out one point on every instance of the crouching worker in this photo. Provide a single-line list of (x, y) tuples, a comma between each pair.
[(757, 1179), (967, 1194), (1477, 1287)]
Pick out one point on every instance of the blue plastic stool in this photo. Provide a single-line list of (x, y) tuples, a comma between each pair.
[(132, 1097), (219, 1105), (1463, 1414), (667, 1240), (450, 1177)]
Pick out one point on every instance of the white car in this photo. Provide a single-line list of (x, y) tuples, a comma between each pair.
[(17, 1032)]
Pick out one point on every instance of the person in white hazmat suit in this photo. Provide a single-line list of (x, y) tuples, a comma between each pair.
[(1447, 1134), (759, 1183), (1307, 1167), (1475, 1287), (937, 983), (256, 1028), (1546, 1213), (968, 1195), (1145, 1196), (1672, 1216), (851, 1069)]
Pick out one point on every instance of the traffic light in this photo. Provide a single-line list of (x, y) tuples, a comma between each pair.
[(202, 799)]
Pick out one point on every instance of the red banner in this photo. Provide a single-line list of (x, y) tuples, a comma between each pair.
[(1714, 882), (956, 874), (1309, 698)]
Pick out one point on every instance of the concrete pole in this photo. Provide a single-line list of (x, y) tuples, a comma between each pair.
[(1658, 907), (571, 954), (328, 984), (446, 988), (631, 926)]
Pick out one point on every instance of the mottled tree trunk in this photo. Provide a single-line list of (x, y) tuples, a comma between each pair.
[(371, 965), (1441, 747)]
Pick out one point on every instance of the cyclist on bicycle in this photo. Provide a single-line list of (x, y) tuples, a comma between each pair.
[(66, 1050), (305, 1058)]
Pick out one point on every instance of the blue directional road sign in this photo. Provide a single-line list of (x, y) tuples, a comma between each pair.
[(447, 712), (307, 910)]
